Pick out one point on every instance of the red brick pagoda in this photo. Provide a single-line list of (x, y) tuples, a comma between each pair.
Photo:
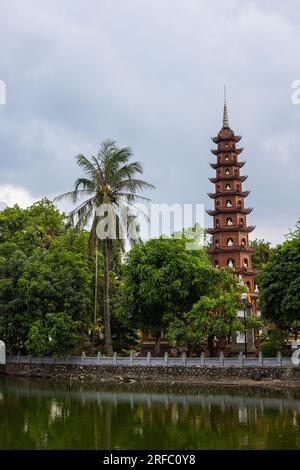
[(230, 242)]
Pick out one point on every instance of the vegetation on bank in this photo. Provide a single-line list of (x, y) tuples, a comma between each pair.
[(62, 291)]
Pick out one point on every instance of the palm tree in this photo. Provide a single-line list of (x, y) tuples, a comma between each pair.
[(110, 180)]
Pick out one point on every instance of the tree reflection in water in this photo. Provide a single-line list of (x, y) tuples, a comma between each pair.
[(47, 415)]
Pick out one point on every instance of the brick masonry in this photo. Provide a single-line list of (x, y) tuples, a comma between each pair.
[(149, 374)]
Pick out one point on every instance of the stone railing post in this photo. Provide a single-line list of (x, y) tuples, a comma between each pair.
[(241, 359), (98, 358), (166, 358), (183, 358), (131, 358), (83, 356), (221, 358), (115, 359), (149, 359), (279, 358), (202, 359), (260, 358)]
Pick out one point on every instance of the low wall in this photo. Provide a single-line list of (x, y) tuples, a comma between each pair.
[(152, 374)]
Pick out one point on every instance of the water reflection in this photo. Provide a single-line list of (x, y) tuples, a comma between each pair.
[(45, 415)]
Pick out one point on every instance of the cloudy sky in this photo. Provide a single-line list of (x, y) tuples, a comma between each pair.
[(150, 74)]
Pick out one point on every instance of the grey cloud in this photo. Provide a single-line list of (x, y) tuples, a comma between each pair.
[(150, 74)]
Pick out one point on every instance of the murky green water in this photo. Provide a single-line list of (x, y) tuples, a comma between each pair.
[(46, 415)]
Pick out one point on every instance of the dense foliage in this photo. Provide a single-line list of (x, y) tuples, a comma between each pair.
[(43, 271), (176, 292), (280, 285), (161, 288)]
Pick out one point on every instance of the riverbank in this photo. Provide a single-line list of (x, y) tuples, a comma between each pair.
[(246, 376)]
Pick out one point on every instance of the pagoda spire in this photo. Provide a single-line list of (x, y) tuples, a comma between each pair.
[(225, 112), (230, 232)]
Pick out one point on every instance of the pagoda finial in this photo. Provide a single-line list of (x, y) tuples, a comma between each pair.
[(225, 113)]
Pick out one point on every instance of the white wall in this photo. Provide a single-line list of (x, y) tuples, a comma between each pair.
[(2, 353)]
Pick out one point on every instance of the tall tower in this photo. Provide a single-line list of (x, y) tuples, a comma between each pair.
[(230, 242)]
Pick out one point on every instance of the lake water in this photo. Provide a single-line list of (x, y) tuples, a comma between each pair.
[(47, 415)]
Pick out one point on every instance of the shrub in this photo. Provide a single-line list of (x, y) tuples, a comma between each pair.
[(268, 349)]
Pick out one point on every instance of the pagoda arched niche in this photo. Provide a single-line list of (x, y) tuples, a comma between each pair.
[(230, 241), (229, 221), (230, 263)]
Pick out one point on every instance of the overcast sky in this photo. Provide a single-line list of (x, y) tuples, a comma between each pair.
[(150, 74)]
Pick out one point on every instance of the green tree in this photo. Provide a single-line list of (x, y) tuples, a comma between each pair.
[(161, 282), (12, 304), (34, 227), (214, 314), (56, 280), (280, 285), (38, 339), (57, 334), (263, 253), (110, 180)]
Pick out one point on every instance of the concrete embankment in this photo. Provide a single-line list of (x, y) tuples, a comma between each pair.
[(283, 377)]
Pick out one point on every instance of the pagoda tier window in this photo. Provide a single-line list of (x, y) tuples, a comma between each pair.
[(241, 221), (238, 186), (245, 263), (244, 241), (229, 242), (217, 243), (216, 263), (230, 263), (217, 222), (227, 171), (240, 203), (227, 158), (236, 171), (228, 203), (228, 187), (217, 203), (248, 285), (229, 221)]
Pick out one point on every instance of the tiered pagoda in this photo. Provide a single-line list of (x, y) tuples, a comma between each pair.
[(230, 232)]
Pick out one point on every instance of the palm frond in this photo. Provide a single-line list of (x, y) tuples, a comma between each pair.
[(133, 185), (131, 169), (72, 196), (81, 215), (88, 185), (87, 166)]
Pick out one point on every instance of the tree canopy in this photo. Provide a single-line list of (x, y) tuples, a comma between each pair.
[(280, 284)]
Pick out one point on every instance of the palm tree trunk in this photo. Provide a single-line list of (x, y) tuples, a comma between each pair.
[(106, 310), (157, 344), (96, 290), (210, 344)]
